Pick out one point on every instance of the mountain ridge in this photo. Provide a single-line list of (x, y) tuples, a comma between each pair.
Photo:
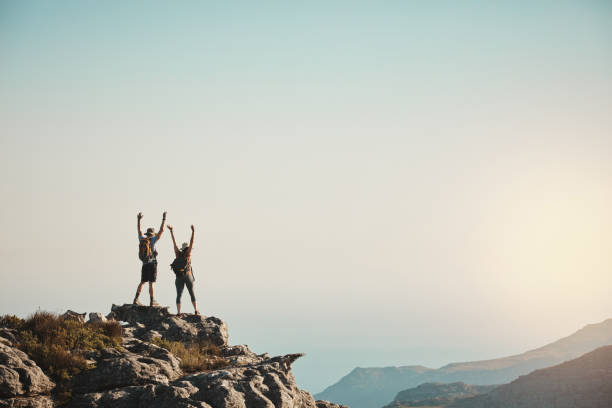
[(374, 387), (584, 382)]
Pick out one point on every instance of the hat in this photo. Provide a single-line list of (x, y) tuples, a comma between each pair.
[(150, 231), (185, 245)]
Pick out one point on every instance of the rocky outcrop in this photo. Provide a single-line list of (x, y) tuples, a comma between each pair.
[(8, 336), (40, 401), (20, 376), (437, 394), (138, 363), (144, 375), (265, 384), (145, 321), (585, 382), (241, 355), (96, 317), (71, 315), (141, 374), (21, 381)]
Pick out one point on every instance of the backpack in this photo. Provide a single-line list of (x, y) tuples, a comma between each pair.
[(144, 250), (180, 265)]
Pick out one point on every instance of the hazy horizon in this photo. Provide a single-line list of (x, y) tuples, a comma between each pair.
[(373, 184)]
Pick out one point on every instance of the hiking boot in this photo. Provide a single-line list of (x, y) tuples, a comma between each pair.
[(154, 302), (137, 302)]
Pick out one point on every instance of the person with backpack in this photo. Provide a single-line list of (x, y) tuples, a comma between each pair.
[(148, 256), (184, 274)]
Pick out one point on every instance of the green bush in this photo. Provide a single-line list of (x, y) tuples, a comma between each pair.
[(194, 356)]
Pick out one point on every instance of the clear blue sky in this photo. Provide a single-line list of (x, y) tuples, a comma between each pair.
[(372, 183)]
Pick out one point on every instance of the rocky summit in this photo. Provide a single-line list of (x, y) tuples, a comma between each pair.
[(140, 373)]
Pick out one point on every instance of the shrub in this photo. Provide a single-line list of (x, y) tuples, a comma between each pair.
[(11, 322), (194, 356), (111, 328), (57, 344), (58, 362)]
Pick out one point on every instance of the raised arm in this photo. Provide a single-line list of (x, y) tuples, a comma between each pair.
[(161, 228), (191, 242), (176, 250), (139, 216)]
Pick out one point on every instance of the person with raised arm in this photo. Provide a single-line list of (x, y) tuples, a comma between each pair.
[(148, 256), (182, 268)]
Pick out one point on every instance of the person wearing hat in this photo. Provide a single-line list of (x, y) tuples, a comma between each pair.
[(184, 274), (148, 256)]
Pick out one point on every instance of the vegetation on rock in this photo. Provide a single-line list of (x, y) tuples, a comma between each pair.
[(194, 356), (57, 344)]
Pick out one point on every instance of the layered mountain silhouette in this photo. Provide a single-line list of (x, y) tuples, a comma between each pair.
[(374, 387), (585, 382), (437, 394)]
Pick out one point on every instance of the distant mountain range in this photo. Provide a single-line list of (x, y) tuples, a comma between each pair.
[(585, 382), (374, 387), (437, 394)]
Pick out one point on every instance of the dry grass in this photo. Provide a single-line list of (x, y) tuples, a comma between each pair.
[(57, 344), (111, 328), (11, 322), (194, 356)]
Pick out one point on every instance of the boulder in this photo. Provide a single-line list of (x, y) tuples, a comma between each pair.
[(138, 364), (187, 328), (39, 401), (71, 315), (241, 355), (95, 317), (19, 375), (268, 384), (8, 336), (150, 396)]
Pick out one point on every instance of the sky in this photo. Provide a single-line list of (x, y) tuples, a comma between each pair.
[(371, 183)]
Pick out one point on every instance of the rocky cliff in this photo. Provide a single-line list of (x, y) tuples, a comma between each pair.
[(374, 387), (140, 373)]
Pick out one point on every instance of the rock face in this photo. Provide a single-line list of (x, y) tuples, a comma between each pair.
[(268, 384), (437, 394), (138, 364), (8, 336), (265, 384), (21, 380), (585, 382), (376, 386), (29, 402), (20, 376), (145, 320)]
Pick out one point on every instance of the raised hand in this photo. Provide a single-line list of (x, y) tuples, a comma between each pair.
[(170, 227), (139, 215), (192, 228), (164, 215)]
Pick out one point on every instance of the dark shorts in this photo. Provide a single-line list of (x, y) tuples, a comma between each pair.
[(149, 272)]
